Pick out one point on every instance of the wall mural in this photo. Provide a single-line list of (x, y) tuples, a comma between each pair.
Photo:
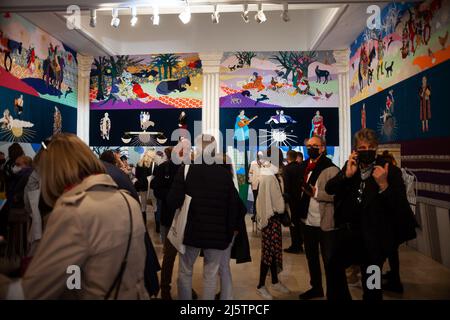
[(140, 127), (413, 37), (29, 119), (38, 85), (34, 63), (286, 96), (285, 128), (278, 79), (161, 81), (414, 113), (282, 127), (140, 100)]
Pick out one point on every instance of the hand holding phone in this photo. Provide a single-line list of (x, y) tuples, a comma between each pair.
[(352, 164)]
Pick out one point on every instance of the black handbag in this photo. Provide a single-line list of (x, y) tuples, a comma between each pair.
[(284, 219)]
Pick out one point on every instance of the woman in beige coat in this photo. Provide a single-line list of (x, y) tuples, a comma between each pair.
[(86, 239), (269, 203)]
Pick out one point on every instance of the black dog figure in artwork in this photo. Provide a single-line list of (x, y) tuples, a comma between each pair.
[(322, 73), (167, 87), (389, 69)]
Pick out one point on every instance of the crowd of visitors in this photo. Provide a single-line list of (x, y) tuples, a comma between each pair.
[(68, 207)]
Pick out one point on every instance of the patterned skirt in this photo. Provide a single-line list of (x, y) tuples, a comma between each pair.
[(271, 244)]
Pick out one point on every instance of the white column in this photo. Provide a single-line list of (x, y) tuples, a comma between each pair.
[(84, 71), (211, 89), (345, 140)]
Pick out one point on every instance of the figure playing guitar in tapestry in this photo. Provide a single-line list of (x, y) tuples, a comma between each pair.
[(241, 126)]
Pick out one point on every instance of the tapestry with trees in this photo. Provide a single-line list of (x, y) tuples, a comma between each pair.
[(156, 81), (141, 100), (278, 79)]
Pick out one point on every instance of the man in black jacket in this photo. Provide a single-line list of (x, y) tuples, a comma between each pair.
[(213, 217), (161, 183), (121, 179), (372, 212), (292, 178)]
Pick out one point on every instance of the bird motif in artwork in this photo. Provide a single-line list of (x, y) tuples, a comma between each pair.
[(390, 41), (443, 40), (328, 95), (318, 92)]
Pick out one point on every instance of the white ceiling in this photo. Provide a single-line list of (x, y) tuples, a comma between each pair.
[(313, 25)]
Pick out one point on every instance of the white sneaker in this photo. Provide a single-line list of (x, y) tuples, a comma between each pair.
[(263, 292), (280, 287)]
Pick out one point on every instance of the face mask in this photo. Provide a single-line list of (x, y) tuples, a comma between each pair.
[(367, 156), (16, 169), (313, 153)]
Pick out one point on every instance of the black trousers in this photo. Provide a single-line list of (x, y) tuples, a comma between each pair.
[(349, 248), (394, 266), (296, 231), (264, 269), (314, 241), (336, 280), (255, 196), (335, 262)]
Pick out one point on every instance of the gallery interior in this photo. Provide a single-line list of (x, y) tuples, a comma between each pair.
[(124, 75)]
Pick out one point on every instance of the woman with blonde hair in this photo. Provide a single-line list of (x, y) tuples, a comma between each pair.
[(92, 225), (144, 169)]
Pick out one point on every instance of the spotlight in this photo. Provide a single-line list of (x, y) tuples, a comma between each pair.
[(244, 14), (93, 21), (115, 21), (185, 16), (215, 15), (285, 15), (155, 17), (260, 16), (134, 17)]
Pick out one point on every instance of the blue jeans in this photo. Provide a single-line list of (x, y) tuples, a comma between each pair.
[(226, 281)]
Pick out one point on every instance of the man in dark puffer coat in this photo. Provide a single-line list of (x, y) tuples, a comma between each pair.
[(212, 219)]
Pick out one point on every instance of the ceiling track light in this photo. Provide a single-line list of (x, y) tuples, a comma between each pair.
[(115, 21), (260, 16), (244, 14), (93, 19), (185, 16), (134, 17), (285, 14), (155, 17), (215, 15)]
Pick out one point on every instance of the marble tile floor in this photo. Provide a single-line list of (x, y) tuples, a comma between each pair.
[(422, 277)]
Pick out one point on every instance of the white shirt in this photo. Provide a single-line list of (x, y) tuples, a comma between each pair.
[(253, 175), (313, 217)]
